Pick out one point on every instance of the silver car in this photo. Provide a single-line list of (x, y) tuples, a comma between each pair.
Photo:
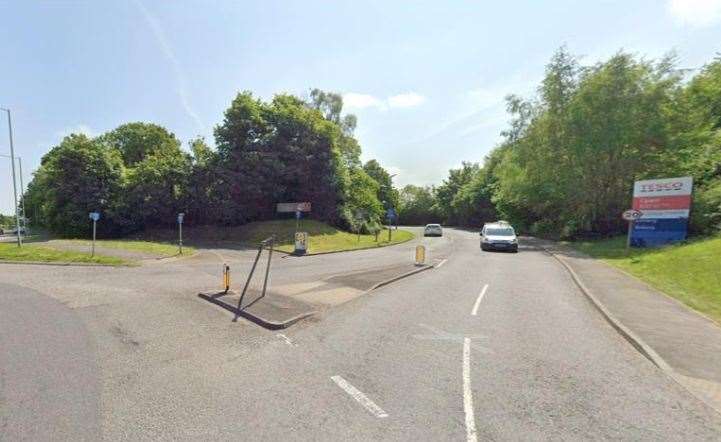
[(433, 230)]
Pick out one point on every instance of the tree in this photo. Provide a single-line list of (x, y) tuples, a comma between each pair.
[(278, 152), (78, 176), (387, 194), (446, 192), (137, 140), (417, 205)]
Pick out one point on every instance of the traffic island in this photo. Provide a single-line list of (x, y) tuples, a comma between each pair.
[(272, 311)]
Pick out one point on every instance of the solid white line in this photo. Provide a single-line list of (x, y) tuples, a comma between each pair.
[(467, 393), (441, 263), (474, 312), (360, 397)]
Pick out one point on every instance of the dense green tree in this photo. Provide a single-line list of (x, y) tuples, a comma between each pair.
[(417, 205), (387, 194), (78, 176), (135, 141), (447, 191)]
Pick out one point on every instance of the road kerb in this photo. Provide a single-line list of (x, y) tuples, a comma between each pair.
[(639, 344)]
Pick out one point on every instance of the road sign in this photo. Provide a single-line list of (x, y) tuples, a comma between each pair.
[(293, 207), (298, 214), (665, 205), (391, 213), (95, 216), (632, 215), (180, 218)]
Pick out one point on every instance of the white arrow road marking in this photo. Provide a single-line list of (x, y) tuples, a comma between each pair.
[(474, 312), (468, 393), (359, 397)]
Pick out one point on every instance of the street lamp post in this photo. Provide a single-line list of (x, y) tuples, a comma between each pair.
[(15, 187)]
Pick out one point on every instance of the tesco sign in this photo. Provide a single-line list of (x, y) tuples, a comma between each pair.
[(665, 205)]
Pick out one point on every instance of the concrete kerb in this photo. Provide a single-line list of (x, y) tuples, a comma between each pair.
[(638, 343), (257, 319), (630, 336)]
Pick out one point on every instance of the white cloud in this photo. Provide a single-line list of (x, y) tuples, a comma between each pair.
[(697, 13), (79, 129), (174, 62), (361, 101), (354, 100), (410, 99)]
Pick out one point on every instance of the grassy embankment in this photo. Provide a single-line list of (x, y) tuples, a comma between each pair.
[(323, 238), (689, 272), (37, 253), (163, 249)]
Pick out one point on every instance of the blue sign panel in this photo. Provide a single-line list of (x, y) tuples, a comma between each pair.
[(391, 214), (657, 232), (94, 216), (298, 214)]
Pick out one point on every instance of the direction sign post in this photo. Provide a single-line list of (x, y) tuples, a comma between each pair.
[(95, 216), (180, 233), (631, 216)]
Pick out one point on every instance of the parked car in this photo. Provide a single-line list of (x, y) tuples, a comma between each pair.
[(433, 230), (499, 236)]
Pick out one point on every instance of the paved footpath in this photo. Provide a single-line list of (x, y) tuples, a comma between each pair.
[(684, 343)]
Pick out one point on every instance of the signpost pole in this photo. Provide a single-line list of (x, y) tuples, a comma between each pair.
[(628, 236), (180, 238), (95, 223)]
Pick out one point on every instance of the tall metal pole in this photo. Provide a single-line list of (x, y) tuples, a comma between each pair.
[(15, 187), (22, 196)]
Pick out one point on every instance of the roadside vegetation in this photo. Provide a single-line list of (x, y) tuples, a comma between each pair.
[(689, 272), (323, 238), (163, 249), (37, 253), (567, 161), (287, 149)]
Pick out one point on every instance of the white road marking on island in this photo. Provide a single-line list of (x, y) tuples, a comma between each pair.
[(359, 397), (441, 263), (474, 312), (468, 393), (286, 339)]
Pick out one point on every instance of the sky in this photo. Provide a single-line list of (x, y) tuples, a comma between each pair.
[(427, 79)]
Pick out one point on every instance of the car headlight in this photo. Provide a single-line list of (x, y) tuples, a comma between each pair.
[(514, 241)]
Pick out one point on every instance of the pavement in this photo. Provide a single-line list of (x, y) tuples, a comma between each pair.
[(485, 346), (686, 344)]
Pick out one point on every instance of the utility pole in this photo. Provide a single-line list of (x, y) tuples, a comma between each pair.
[(22, 196), (15, 187)]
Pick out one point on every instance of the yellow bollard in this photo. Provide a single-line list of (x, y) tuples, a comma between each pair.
[(226, 277), (420, 255)]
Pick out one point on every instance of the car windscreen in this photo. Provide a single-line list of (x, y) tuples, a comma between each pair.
[(499, 232)]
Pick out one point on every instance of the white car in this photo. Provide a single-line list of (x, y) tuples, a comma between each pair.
[(433, 230), (499, 236)]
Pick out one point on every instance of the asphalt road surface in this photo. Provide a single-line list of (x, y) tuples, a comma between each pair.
[(487, 346)]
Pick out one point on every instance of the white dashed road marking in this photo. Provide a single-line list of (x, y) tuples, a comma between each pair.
[(441, 263), (468, 393), (474, 312), (359, 397)]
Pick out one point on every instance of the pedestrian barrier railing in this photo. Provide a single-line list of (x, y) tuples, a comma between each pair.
[(266, 244)]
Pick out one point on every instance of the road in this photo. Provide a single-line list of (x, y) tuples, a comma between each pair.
[(488, 346)]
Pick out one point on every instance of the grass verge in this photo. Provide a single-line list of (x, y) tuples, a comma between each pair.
[(36, 253), (323, 238), (689, 272), (150, 247)]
